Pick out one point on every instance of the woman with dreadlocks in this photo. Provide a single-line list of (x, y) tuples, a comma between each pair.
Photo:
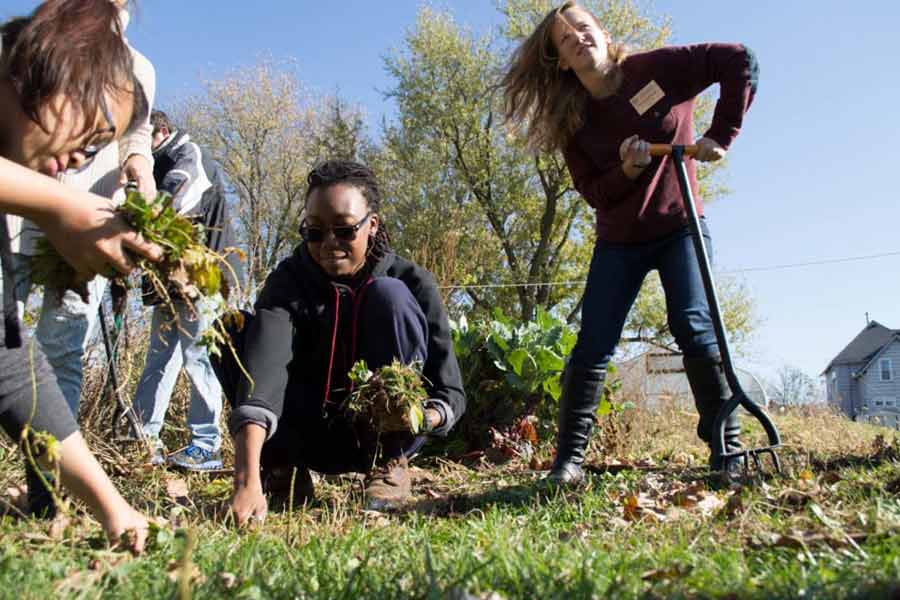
[(342, 296), (578, 92)]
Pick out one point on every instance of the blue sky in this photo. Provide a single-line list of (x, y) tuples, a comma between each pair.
[(811, 172)]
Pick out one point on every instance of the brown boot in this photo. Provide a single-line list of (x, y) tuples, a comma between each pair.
[(388, 486), (277, 483)]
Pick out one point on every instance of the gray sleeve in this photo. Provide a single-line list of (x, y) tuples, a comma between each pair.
[(447, 417), (42, 407), (245, 414)]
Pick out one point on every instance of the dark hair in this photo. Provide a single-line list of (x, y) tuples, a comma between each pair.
[(159, 119), (347, 172), (72, 48)]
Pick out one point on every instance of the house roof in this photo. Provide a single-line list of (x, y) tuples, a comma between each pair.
[(864, 346), (875, 356)]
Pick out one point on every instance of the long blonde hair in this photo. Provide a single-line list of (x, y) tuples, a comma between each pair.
[(539, 97)]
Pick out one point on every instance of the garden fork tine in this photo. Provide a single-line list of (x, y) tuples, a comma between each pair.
[(738, 397)]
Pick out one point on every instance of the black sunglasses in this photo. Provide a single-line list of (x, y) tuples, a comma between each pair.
[(315, 234)]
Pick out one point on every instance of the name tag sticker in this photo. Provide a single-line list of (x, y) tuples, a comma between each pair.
[(647, 97)]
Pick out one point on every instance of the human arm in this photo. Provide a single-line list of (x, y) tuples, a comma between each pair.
[(601, 186), (691, 69), (247, 501), (83, 476), (135, 147), (83, 227), (441, 369)]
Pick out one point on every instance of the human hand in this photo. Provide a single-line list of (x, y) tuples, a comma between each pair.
[(126, 528), (137, 169), (635, 155), (433, 419), (248, 504), (709, 150), (91, 237)]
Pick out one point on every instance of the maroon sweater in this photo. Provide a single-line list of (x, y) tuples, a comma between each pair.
[(650, 207)]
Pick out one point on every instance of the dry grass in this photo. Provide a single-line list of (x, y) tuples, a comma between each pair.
[(650, 522)]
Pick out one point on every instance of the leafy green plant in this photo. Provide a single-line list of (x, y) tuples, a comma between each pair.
[(189, 270), (511, 372), (390, 399)]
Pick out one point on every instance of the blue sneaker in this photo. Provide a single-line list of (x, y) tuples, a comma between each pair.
[(194, 458)]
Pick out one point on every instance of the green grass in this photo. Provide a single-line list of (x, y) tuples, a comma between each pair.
[(828, 528)]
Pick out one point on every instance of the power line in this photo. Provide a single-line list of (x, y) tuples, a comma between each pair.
[(829, 261)]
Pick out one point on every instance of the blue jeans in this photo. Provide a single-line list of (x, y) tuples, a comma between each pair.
[(171, 348), (615, 277), (63, 331)]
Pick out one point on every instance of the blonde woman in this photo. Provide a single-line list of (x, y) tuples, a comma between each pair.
[(573, 89)]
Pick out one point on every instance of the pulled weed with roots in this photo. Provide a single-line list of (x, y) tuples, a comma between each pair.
[(189, 272), (391, 399)]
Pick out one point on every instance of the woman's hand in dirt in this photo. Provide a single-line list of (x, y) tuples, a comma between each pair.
[(127, 529), (635, 155), (709, 150), (249, 505)]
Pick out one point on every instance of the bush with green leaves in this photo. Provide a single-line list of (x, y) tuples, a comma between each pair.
[(511, 371)]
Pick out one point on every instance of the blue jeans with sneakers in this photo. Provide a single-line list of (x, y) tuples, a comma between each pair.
[(172, 347)]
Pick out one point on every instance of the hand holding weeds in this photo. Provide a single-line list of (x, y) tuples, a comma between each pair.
[(390, 399), (91, 237)]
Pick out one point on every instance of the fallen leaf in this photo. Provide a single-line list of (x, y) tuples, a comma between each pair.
[(527, 431), (670, 572), (229, 580), (795, 498), (580, 532), (734, 506), (177, 488), (710, 504)]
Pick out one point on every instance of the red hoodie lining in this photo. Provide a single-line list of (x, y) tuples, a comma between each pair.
[(357, 301)]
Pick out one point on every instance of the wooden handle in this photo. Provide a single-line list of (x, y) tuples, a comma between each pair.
[(666, 150)]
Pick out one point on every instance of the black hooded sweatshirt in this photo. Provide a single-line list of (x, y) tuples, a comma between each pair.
[(298, 347)]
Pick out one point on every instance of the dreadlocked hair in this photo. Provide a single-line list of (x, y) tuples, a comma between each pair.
[(348, 172)]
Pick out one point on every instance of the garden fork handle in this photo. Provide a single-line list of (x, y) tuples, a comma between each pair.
[(666, 149)]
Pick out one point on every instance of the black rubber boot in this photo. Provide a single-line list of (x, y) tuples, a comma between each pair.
[(39, 501), (581, 393), (711, 391)]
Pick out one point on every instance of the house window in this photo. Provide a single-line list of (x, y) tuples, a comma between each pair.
[(884, 402), (887, 373)]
